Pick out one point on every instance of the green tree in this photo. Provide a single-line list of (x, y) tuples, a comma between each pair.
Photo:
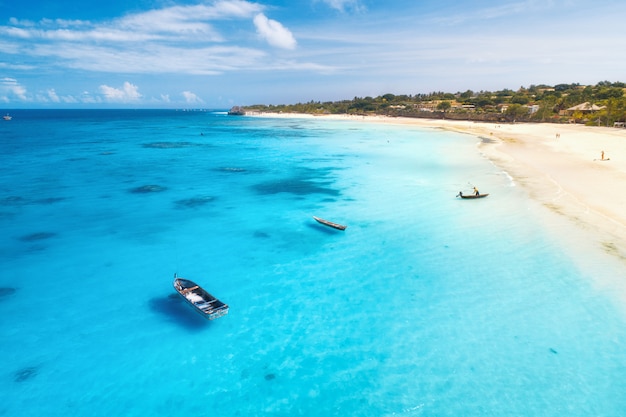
[(484, 100), (516, 112), (467, 95), (546, 108), (444, 106), (520, 99), (609, 92)]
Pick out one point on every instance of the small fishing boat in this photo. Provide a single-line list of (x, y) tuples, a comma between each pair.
[(203, 302), (7, 117), (330, 224), (460, 194)]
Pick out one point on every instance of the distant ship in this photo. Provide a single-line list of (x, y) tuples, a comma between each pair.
[(237, 111), (7, 117)]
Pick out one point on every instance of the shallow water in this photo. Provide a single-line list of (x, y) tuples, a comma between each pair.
[(426, 305)]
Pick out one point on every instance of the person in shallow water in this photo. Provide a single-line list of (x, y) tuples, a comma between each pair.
[(476, 191)]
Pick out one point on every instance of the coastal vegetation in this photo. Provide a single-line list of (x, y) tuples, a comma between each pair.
[(602, 104)]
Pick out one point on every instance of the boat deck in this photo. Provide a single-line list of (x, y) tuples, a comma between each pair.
[(203, 302), (329, 223)]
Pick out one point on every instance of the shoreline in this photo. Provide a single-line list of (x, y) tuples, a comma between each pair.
[(558, 166)]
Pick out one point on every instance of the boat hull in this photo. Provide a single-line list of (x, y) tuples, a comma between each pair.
[(330, 224), (197, 297), (473, 196)]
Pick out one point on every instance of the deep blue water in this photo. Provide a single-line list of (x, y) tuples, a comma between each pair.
[(426, 305)]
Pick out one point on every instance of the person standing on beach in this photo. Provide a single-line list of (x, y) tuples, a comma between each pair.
[(602, 156)]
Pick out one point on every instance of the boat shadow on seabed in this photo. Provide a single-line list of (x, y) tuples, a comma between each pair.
[(175, 309)]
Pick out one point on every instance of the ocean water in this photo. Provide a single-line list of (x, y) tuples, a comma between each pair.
[(426, 305)]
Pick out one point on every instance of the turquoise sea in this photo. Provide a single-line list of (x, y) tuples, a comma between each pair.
[(426, 305)]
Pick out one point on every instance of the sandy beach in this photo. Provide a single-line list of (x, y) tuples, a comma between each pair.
[(557, 165)]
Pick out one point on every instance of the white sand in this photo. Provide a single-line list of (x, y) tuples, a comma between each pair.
[(564, 174)]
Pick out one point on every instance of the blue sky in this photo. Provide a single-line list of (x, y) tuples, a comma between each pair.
[(216, 54)]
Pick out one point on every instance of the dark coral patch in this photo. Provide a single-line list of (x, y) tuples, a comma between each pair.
[(194, 202), (33, 237), (269, 377), (49, 200), (294, 186), (13, 201), (146, 189), (6, 291), (25, 374), (17, 201)]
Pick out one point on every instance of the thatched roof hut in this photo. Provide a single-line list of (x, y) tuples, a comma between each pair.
[(585, 107)]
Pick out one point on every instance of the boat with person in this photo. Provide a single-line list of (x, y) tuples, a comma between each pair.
[(197, 297), (330, 224), (460, 194)]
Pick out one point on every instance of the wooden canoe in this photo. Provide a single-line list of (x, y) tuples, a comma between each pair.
[(330, 224), (473, 195), (201, 301)]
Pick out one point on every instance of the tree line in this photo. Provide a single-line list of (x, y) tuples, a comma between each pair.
[(537, 103)]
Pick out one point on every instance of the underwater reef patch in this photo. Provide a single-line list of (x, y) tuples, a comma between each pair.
[(194, 202), (49, 200), (21, 201), (13, 200), (294, 186), (34, 237), (6, 291), (25, 374), (146, 189)]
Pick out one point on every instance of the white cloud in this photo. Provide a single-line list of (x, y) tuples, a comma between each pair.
[(15, 67), (10, 89), (150, 59), (192, 39), (69, 99), (191, 98), (273, 32), (344, 5), (87, 97), (498, 12), (178, 22), (128, 93), (52, 96)]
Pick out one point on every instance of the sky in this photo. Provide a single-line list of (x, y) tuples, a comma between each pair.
[(220, 53)]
